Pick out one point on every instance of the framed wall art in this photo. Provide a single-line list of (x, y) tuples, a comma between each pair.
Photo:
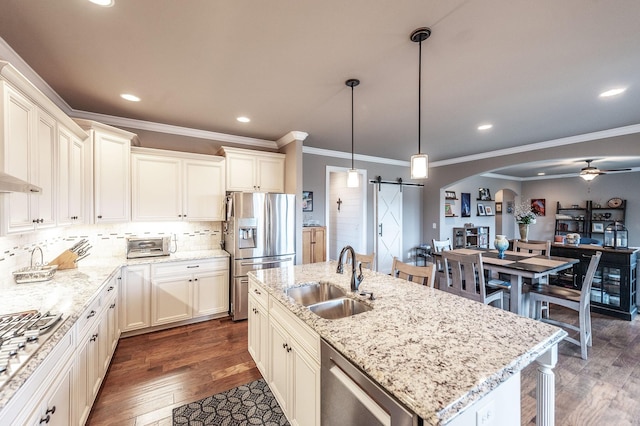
[(481, 211), (488, 210), (597, 227), (448, 211), (484, 194), (307, 201), (498, 207), (465, 208), (538, 206), (450, 195)]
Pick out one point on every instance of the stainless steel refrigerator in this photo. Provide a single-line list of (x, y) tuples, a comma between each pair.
[(258, 234)]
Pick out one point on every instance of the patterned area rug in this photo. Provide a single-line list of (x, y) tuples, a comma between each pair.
[(250, 404)]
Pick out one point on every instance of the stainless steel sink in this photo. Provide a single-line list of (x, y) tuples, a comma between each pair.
[(339, 308), (313, 293)]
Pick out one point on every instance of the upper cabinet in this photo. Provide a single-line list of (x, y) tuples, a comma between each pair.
[(30, 126), (169, 185), (254, 171), (74, 178), (111, 169)]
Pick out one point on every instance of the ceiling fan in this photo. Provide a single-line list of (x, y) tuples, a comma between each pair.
[(589, 173)]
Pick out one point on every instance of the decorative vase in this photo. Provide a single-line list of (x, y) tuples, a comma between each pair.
[(501, 244), (524, 231)]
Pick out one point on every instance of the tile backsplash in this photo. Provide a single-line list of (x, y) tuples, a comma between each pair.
[(107, 240)]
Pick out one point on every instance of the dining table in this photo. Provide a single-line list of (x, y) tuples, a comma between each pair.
[(519, 265)]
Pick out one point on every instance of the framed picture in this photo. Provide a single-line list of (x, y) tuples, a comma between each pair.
[(498, 207), (597, 227), (307, 201), (465, 208), (484, 194), (488, 210), (450, 195), (447, 210), (481, 211), (509, 207), (538, 206)]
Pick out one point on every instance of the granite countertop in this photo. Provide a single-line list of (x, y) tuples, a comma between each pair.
[(434, 351), (70, 292)]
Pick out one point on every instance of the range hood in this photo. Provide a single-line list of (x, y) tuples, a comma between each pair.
[(10, 183)]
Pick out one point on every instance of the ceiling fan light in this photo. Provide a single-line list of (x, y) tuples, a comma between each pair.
[(419, 166), (588, 176), (353, 178)]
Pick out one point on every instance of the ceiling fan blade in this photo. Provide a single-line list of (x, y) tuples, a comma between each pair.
[(616, 170)]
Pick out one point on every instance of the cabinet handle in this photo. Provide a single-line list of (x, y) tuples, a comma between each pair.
[(51, 410), (93, 338), (193, 266), (110, 288), (190, 280), (99, 216), (91, 314), (113, 305), (45, 419), (195, 279), (284, 346), (380, 232), (256, 291), (289, 348)]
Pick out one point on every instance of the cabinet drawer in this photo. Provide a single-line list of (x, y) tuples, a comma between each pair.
[(189, 267), (302, 333), (88, 317), (261, 295)]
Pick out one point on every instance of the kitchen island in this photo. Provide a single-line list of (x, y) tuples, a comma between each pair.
[(436, 353)]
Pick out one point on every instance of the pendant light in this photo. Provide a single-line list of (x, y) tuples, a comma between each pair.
[(419, 161), (353, 180)]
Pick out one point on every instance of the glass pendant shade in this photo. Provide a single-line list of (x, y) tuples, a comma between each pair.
[(588, 176), (353, 180), (419, 166)]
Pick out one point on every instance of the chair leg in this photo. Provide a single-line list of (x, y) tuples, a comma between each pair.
[(588, 321), (584, 336)]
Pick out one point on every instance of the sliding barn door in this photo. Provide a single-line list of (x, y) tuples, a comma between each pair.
[(388, 199)]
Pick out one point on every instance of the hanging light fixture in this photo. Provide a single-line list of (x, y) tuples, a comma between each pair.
[(353, 180), (419, 161)]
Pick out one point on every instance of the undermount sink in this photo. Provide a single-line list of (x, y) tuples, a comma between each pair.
[(339, 308), (313, 293)]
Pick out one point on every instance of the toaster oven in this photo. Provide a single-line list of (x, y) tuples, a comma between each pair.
[(147, 247)]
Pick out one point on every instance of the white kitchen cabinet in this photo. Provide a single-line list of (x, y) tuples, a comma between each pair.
[(74, 165), (185, 290), (28, 148), (168, 185), (112, 187), (254, 171), (258, 332), (294, 371), (108, 340), (55, 408), (135, 298)]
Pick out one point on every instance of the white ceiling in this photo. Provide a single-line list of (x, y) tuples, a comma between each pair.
[(532, 68)]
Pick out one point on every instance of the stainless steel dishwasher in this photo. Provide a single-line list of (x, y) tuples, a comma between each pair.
[(349, 397)]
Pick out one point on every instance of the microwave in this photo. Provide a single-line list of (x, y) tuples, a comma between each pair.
[(147, 247)]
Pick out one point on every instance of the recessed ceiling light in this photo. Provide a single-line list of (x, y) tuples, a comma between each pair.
[(613, 92), (130, 97), (485, 126), (103, 3), (243, 119), (541, 173)]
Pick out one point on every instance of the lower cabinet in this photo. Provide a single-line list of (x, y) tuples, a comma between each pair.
[(287, 352), (185, 290), (135, 298), (55, 408)]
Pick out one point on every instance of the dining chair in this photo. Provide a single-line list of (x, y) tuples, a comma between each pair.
[(438, 247), (577, 300), (424, 275), (467, 278), (366, 260), (542, 248)]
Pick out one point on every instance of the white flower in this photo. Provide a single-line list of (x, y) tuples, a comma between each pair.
[(524, 214)]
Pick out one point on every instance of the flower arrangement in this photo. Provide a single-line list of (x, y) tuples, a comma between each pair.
[(524, 214)]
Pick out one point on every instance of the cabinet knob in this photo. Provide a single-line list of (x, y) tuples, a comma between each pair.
[(99, 216), (91, 314)]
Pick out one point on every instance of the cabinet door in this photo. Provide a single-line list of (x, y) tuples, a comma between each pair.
[(112, 188), (307, 245), (87, 374), (279, 365), (56, 407), (71, 178), (19, 119), (241, 172), (210, 293), (253, 330), (319, 245), (270, 174), (113, 327), (135, 298), (171, 299), (44, 171), (156, 188), (204, 190), (305, 407)]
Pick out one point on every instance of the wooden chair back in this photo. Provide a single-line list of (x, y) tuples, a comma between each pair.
[(543, 248), (424, 275), (467, 277), (439, 246), (366, 260)]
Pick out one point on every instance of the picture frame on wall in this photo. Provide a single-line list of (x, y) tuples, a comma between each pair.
[(450, 195), (448, 211), (481, 211), (484, 194), (597, 227), (307, 201), (538, 206), (488, 210), (498, 207), (465, 207)]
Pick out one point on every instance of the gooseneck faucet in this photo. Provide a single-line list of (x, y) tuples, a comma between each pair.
[(355, 279)]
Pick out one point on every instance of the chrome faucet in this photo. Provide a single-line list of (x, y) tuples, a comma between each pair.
[(355, 279), (41, 256)]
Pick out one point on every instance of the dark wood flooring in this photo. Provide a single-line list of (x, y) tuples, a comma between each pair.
[(152, 374)]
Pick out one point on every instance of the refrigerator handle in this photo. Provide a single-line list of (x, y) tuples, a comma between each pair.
[(268, 219)]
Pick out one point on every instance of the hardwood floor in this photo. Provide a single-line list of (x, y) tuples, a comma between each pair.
[(154, 373)]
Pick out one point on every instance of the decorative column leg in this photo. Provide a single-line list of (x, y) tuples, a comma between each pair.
[(546, 387)]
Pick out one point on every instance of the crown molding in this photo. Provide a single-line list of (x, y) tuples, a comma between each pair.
[(359, 157), (294, 135)]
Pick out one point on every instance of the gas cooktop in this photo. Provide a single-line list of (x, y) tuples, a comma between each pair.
[(21, 334)]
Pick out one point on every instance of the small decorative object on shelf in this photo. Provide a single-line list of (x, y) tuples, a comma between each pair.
[(616, 236), (572, 239), (614, 203), (484, 194), (447, 210), (501, 244), (450, 195)]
